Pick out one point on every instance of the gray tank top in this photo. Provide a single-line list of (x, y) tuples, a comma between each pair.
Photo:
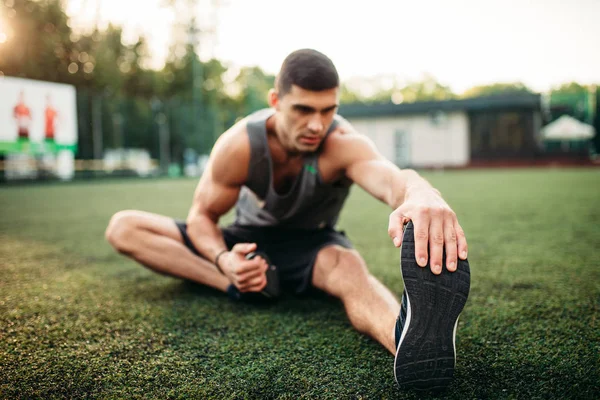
[(309, 204)]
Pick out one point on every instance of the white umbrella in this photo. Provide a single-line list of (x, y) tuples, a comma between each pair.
[(568, 128)]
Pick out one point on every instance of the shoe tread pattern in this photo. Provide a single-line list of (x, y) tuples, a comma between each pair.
[(425, 358)]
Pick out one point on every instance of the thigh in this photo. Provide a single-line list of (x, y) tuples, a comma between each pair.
[(156, 223)]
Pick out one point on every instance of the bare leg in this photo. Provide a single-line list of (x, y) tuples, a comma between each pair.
[(371, 307), (155, 241)]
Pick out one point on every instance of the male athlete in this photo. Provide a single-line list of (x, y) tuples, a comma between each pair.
[(288, 170)]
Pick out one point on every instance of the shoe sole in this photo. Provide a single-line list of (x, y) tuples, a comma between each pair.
[(426, 354)]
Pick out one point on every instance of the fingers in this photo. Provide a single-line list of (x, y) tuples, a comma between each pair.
[(254, 285), (254, 281), (436, 230), (248, 266), (243, 248), (395, 228), (461, 241), (246, 276), (422, 230), (436, 243), (250, 275), (450, 241)]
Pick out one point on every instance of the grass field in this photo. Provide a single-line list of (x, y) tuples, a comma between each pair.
[(78, 320)]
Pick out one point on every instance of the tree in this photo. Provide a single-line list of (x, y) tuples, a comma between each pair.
[(497, 89), (426, 89), (385, 89), (349, 96), (573, 99), (99, 58), (570, 88), (250, 89), (39, 44)]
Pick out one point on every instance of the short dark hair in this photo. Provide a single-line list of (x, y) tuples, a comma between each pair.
[(308, 69)]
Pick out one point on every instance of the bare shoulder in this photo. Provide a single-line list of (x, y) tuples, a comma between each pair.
[(229, 158), (347, 145)]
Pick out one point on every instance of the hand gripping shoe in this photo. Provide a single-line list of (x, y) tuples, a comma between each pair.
[(272, 289)]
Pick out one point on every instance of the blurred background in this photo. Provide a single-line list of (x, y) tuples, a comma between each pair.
[(109, 88)]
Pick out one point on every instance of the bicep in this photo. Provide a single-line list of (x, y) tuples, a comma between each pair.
[(219, 187), (214, 198)]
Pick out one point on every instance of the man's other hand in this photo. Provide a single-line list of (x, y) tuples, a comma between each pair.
[(246, 275)]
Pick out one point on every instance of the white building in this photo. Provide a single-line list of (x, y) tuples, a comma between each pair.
[(452, 133)]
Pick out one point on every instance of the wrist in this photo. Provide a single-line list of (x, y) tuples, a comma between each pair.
[(218, 257), (419, 187)]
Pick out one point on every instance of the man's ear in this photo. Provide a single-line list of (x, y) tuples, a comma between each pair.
[(273, 99)]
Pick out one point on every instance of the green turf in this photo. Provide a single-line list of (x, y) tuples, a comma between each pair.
[(78, 320)]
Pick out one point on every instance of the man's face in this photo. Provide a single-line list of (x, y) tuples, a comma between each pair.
[(305, 117)]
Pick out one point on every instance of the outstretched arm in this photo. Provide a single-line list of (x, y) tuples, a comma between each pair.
[(411, 197)]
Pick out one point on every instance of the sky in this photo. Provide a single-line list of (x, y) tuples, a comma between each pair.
[(461, 43)]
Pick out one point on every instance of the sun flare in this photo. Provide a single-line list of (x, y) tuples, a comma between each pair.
[(3, 31)]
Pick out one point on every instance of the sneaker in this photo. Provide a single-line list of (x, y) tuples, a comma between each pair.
[(426, 327)]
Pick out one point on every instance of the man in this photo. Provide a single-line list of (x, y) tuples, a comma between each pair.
[(288, 170), (50, 117), (22, 116)]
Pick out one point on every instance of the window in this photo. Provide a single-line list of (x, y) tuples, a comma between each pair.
[(438, 118), (402, 148)]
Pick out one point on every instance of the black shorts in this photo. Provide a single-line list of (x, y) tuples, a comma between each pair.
[(293, 251)]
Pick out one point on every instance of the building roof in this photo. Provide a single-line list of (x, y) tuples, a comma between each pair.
[(513, 101)]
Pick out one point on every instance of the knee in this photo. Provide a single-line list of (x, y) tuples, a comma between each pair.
[(340, 267), (350, 263), (121, 227)]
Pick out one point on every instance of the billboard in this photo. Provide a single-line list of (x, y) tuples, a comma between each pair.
[(38, 121)]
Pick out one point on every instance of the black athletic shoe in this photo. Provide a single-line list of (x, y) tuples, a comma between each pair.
[(401, 317), (425, 350)]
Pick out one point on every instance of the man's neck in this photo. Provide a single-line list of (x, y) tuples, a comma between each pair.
[(279, 153)]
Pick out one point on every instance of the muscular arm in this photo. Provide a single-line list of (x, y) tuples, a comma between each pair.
[(218, 190), (379, 177), (408, 194), (216, 194), (359, 159)]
